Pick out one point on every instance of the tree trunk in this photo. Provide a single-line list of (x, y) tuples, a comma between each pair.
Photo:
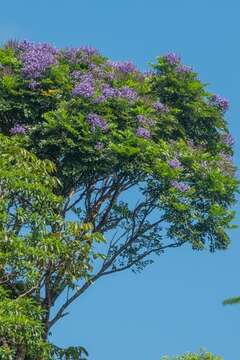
[(21, 352)]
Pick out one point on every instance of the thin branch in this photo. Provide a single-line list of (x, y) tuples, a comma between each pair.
[(28, 292), (146, 253), (102, 272), (60, 312), (67, 208)]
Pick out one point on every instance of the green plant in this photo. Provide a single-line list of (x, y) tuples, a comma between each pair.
[(81, 134)]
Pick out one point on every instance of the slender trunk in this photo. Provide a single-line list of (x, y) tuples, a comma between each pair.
[(21, 352), (46, 329)]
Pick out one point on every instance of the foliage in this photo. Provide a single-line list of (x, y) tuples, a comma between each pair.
[(28, 248), (232, 301), (80, 132), (21, 330), (203, 355), (72, 353)]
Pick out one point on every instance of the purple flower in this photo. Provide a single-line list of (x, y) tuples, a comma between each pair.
[(86, 53), (36, 58), (109, 75), (144, 121), (179, 185), (97, 121), (221, 103), (76, 75), (183, 69), (161, 108), (87, 76), (6, 70), (127, 93), (71, 54), (142, 132), (175, 163), (172, 58), (18, 129), (108, 91), (99, 146), (97, 70), (82, 53), (124, 67), (141, 119), (148, 74), (89, 50), (228, 139), (226, 157), (84, 89), (33, 84)]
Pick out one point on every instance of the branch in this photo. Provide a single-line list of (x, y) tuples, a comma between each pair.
[(28, 292), (67, 208), (60, 312), (146, 253)]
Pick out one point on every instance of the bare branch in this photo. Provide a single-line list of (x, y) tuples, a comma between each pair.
[(28, 292), (80, 291)]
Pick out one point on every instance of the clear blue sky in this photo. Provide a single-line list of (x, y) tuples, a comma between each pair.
[(175, 304)]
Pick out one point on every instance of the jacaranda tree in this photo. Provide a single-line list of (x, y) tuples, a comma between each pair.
[(142, 164)]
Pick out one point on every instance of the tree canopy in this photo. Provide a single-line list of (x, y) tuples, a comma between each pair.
[(83, 135), (203, 355)]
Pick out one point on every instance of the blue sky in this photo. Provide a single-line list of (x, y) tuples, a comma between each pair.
[(175, 304)]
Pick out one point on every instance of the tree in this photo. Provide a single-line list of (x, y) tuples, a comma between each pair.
[(27, 246), (112, 131), (203, 355)]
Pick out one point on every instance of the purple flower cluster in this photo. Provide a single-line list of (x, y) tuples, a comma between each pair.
[(226, 157), (128, 93), (6, 70), (86, 86), (71, 54), (108, 91), (84, 53), (36, 58), (18, 129), (87, 76), (33, 84), (88, 50), (172, 58), (99, 146), (228, 139), (175, 163), (161, 108), (98, 71), (84, 89), (124, 67), (97, 121), (179, 185), (183, 69), (142, 132), (144, 121), (148, 74), (221, 103), (76, 75)]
